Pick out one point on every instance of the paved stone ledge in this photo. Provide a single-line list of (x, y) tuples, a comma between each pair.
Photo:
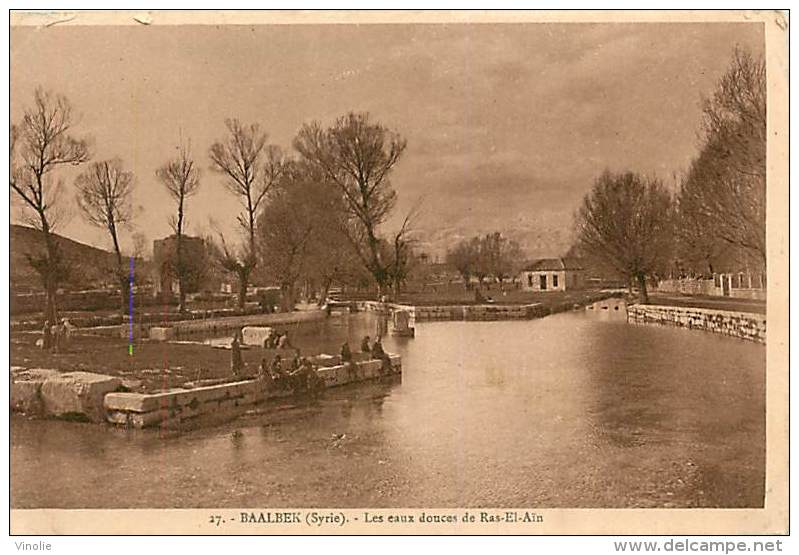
[(743, 325), (179, 407)]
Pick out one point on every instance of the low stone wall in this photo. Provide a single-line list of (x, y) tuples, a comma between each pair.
[(688, 286), (97, 397), (180, 407), (736, 324), (480, 312), (456, 312), (217, 325)]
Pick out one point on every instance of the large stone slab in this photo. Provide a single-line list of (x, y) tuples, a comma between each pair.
[(26, 386), (77, 393), (255, 335), (142, 402), (162, 334)]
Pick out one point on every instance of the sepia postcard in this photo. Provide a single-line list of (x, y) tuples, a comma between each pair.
[(386, 272)]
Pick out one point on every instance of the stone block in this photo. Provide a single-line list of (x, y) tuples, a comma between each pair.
[(255, 335), (327, 360), (26, 388), (133, 402), (25, 397), (370, 368), (143, 403), (78, 393), (162, 334)]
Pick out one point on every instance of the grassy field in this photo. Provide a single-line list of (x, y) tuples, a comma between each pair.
[(704, 301), (156, 365)]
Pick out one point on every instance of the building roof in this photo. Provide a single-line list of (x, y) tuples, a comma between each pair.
[(553, 264)]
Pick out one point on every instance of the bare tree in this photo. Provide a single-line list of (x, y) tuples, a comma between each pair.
[(140, 245), (104, 197), (251, 168), (401, 257), (463, 257), (734, 117), (501, 255), (181, 178), (628, 220), (291, 229), (40, 143), (723, 195), (357, 156), (700, 249)]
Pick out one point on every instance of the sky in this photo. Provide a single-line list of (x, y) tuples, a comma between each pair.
[(507, 124)]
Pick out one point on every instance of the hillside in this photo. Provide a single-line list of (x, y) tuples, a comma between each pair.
[(89, 266)]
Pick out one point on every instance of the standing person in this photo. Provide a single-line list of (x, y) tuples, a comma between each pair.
[(47, 336), (236, 363), (67, 330), (56, 331)]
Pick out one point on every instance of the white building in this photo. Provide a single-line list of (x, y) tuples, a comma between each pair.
[(553, 274)]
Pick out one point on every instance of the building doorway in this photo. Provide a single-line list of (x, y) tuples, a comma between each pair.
[(543, 281)]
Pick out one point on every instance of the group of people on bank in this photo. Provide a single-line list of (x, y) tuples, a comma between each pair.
[(373, 350), (297, 373), (57, 337)]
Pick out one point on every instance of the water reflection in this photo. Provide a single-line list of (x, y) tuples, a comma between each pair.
[(574, 410)]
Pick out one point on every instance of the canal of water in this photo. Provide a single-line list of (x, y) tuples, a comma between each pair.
[(574, 410)]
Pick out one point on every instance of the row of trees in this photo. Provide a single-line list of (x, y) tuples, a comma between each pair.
[(491, 255), (315, 216), (633, 225)]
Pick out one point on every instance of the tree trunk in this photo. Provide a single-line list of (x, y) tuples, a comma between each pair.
[(122, 273), (124, 289), (325, 291), (50, 271), (51, 311), (181, 292), (180, 266), (242, 275), (643, 296), (287, 297)]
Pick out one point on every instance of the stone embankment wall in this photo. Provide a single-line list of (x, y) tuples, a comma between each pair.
[(181, 407), (96, 397), (457, 312), (740, 286), (743, 325), (480, 312)]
